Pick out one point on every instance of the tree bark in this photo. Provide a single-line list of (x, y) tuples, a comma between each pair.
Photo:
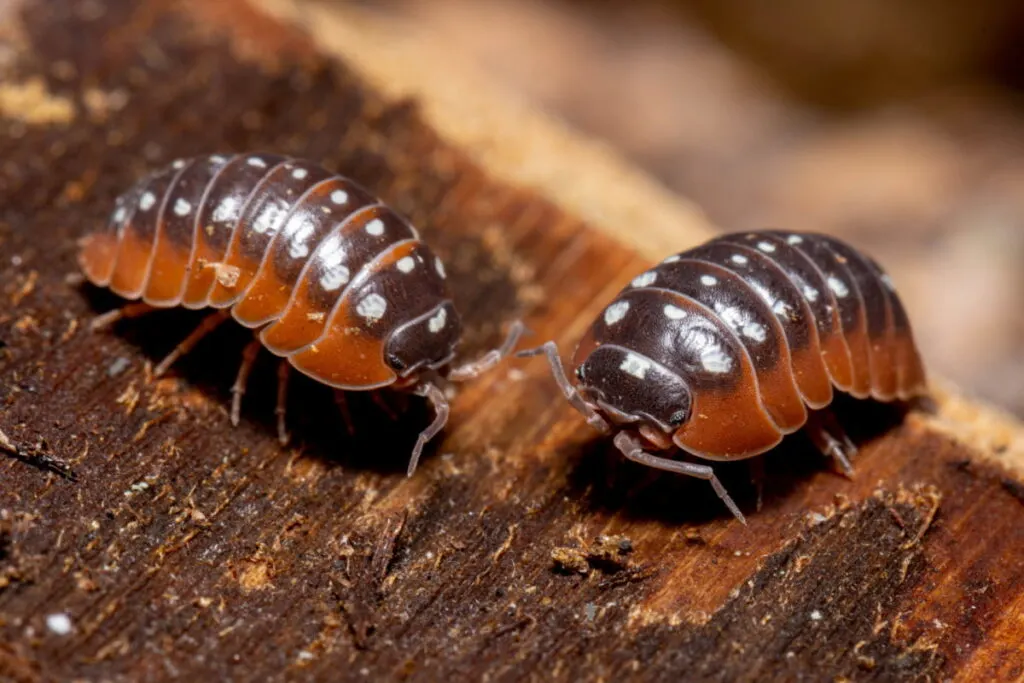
[(144, 538)]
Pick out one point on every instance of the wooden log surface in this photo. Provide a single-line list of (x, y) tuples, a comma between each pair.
[(144, 538)]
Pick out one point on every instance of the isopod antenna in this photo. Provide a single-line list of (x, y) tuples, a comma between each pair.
[(550, 349), (487, 361)]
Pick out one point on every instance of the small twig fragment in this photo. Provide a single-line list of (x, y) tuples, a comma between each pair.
[(36, 458)]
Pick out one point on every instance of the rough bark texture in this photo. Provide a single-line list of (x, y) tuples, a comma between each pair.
[(179, 547)]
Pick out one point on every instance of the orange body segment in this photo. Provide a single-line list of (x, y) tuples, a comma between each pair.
[(97, 255), (346, 357), (727, 426), (167, 273), (812, 375), (837, 358), (301, 324), (778, 393), (131, 266)]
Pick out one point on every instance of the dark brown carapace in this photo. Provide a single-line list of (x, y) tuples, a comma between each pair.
[(724, 349), (333, 280)]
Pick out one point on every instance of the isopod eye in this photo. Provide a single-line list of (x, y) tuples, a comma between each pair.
[(395, 362), (633, 388)]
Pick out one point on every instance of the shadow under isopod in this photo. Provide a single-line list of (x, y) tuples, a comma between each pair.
[(379, 442), (603, 480)]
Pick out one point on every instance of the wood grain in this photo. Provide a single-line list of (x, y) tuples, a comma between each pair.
[(179, 547)]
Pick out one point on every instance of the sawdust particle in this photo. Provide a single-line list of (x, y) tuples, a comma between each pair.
[(256, 577)]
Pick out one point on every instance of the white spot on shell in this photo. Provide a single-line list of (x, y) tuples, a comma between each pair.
[(635, 365), (226, 209), (297, 247), (715, 360), (270, 217), (439, 267), (645, 279), (739, 259), (781, 309), (334, 278), (742, 321), (375, 227), (59, 624), (794, 239), (182, 207), (437, 321), (256, 162), (147, 201), (339, 197), (615, 312), (708, 280), (887, 281), (178, 164), (300, 173), (218, 159), (766, 247), (674, 312), (372, 307), (810, 293), (406, 264), (672, 259), (120, 214), (755, 331), (838, 287), (331, 255)]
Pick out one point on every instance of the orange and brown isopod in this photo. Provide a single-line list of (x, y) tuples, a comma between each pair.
[(331, 279), (722, 350)]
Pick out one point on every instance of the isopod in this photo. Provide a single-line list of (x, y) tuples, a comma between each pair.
[(722, 350), (332, 280)]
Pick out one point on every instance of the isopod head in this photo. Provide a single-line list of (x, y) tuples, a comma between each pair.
[(627, 388), (427, 342)]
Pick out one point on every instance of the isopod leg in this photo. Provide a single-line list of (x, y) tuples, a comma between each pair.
[(757, 477), (632, 449), (384, 405), (249, 354), (132, 310), (341, 401), (208, 325), (830, 438), (491, 358), (440, 404), (283, 374)]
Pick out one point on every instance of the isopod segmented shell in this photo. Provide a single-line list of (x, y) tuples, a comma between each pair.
[(759, 327), (331, 279), (326, 271)]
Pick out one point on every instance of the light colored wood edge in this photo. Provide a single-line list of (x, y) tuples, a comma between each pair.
[(522, 146), (996, 434), (514, 142)]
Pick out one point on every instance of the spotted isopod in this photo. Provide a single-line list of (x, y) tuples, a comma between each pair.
[(722, 350), (332, 280)]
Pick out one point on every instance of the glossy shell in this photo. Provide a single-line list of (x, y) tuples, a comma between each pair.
[(335, 281), (725, 346)]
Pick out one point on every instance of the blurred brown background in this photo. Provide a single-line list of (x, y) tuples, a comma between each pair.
[(897, 126)]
